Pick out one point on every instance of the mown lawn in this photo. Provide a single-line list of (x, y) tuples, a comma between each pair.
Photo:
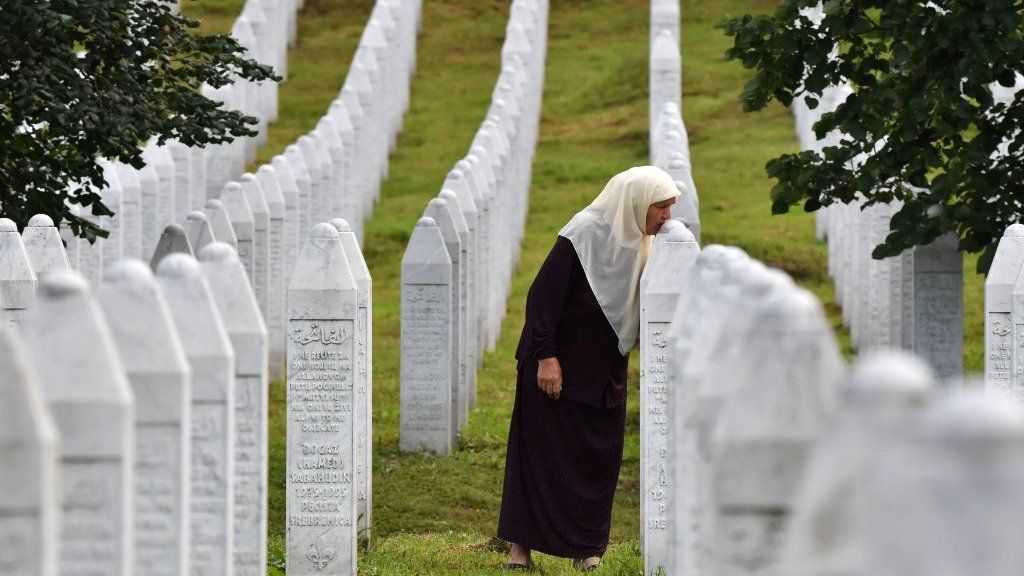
[(438, 516)]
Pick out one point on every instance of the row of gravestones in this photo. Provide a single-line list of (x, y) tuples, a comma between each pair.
[(457, 267), (771, 458), (337, 166), (134, 418), (913, 300)]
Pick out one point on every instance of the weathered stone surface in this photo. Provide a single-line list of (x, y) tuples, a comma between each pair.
[(321, 475), (159, 158), (363, 375), (183, 184), (243, 222), (220, 223), (239, 310), (290, 192), (212, 361), (999, 321), (17, 279), (304, 178), (174, 240), (427, 374), (149, 184), (158, 371), (113, 197), (666, 74), (669, 263), (29, 488), (84, 383), (197, 230), (131, 210)]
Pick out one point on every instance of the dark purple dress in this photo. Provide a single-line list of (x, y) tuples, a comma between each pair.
[(564, 455)]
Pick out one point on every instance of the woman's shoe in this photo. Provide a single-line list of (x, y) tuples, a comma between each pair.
[(581, 565), (517, 567)]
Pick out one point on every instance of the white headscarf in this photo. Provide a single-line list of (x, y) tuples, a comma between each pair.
[(611, 241)]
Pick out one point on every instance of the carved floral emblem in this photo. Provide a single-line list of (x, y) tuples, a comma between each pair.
[(318, 558)]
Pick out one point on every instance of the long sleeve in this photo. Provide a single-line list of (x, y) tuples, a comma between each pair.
[(546, 300)]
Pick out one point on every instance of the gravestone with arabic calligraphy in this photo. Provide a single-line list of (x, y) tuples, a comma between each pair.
[(240, 312), (212, 360), (672, 256), (427, 373), (321, 358)]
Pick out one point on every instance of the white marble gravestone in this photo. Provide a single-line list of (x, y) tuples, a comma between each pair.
[(84, 383), (197, 230), (174, 240), (665, 80), (240, 313), (363, 375), (159, 158), (158, 371), (220, 222), (276, 287), (304, 179), (321, 476), (784, 390), (937, 302), (668, 265), (999, 321), (182, 157), (427, 374), (236, 203), (884, 393), (290, 192), (29, 488), (212, 360), (17, 279), (44, 246), (441, 213), (131, 210), (149, 184), (944, 499), (261, 238)]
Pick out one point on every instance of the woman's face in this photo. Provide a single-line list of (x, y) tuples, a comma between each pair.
[(658, 214)]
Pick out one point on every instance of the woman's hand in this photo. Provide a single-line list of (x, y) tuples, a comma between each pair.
[(549, 377)]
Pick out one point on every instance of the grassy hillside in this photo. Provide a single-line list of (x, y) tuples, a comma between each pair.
[(435, 516)]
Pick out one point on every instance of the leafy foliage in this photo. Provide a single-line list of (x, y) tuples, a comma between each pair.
[(922, 123), (83, 79)]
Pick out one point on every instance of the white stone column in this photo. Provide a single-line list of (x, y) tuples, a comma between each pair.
[(220, 223), (363, 376), (212, 361), (999, 321), (84, 383), (243, 222), (183, 184), (937, 303), (276, 290), (239, 310), (321, 475), (671, 258), (160, 377), (261, 239), (427, 374), (17, 279), (197, 230), (29, 487), (131, 210)]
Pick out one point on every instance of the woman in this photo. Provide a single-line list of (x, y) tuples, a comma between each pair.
[(582, 318)]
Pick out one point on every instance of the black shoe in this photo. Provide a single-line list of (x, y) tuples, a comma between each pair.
[(517, 567)]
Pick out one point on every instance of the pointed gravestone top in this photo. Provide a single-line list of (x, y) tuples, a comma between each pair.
[(44, 246), (231, 289), (173, 240), (665, 48), (188, 296), (17, 279), (286, 177), (198, 230), (439, 211), (220, 222), (255, 195), (271, 187), (140, 319), (427, 246), (356, 262), (456, 210), (236, 202), (322, 264)]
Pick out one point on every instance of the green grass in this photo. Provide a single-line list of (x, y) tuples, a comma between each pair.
[(438, 516)]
